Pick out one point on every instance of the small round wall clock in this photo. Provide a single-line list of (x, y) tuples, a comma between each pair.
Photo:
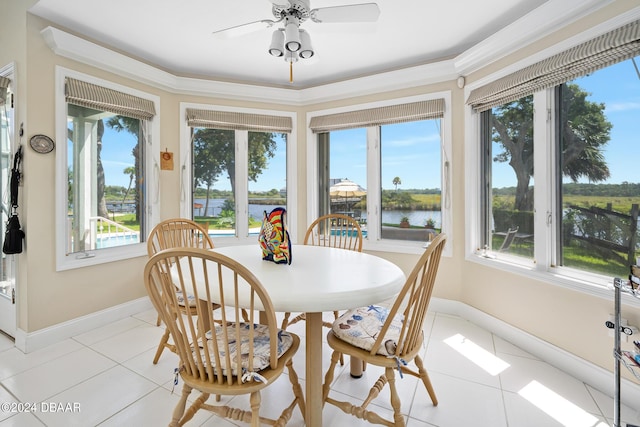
[(42, 143)]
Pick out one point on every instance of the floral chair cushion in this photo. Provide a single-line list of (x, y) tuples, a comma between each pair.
[(261, 344), (361, 326), (191, 299)]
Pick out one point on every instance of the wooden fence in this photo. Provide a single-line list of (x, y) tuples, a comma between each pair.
[(608, 230)]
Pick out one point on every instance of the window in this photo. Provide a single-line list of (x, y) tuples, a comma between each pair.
[(104, 172), (348, 173), (267, 170), (214, 172), (411, 171), (507, 136), (393, 158), (239, 167), (600, 187), (563, 124)]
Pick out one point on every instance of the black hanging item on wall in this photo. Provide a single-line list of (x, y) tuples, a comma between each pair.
[(14, 234)]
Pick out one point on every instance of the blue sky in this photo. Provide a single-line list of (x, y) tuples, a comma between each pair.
[(618, 87), (411, 150), (116, 156)]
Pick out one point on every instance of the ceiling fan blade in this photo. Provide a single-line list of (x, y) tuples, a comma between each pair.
[(242, 29), (282, 4), (364, 12)]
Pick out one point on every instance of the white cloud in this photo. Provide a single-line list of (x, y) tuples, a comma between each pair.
[(622, 106), (414, 140)]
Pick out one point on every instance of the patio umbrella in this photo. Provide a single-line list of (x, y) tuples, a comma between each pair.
[(346, 189), (198, 206)]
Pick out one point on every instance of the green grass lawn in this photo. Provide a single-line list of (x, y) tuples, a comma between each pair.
[(223, 223), (574, 256), (128, 220), (618, 204), (215, 223)]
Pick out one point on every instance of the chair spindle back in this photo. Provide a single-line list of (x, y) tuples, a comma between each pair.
[(413, 301), (335, 230), (177, 233), (212, 278)]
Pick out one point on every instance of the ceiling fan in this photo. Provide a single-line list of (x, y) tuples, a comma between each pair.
[(292, 42)]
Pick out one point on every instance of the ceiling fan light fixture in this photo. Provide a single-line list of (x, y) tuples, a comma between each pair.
[(277, 43), (292, 35), (291, 42), (306, 50)]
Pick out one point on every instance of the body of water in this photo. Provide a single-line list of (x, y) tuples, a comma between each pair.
[(390, 217), (215, 207), (415, 217)]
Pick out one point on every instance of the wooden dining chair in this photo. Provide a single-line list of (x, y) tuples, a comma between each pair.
[(335, 231), (233, 357), (388, 337), (177, 233)]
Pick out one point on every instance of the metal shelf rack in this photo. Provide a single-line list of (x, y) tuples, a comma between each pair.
[(621, 286)]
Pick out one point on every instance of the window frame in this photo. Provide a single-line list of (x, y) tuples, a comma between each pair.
[(74, 260), (546, 204), (374, 242), (242, 182)]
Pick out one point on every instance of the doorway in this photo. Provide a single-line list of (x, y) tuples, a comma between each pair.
[(7, 147)]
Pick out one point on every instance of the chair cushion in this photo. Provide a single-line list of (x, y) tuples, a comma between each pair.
[(261, 344), (361, 326), (191, 299)]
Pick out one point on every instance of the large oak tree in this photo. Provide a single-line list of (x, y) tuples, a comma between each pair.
[(584, 132), (214, 155)]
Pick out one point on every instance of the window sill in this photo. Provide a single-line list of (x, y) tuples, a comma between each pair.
[(587, 283), (397, 246), (100, 256), (234, 240)]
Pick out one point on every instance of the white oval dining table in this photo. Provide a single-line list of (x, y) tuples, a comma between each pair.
[(319, 279)]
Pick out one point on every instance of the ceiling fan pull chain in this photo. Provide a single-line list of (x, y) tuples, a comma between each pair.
[(291, 72)]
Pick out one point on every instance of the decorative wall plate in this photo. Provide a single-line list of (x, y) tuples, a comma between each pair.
[(42, 143)]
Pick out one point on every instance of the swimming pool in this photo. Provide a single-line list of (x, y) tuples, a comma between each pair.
[(116, 240)]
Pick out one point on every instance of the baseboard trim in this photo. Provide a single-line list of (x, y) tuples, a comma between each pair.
[(587, 372), (30, 341), (597, 377)]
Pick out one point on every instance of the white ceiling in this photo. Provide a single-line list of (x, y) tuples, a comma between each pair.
[(176, 36)]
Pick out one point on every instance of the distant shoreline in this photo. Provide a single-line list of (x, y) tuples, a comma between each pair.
[(267, 201)]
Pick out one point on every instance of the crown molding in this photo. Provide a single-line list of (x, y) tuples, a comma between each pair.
[(86, 52), (540, 22), (551, 16), (383, 82), (566, 44)]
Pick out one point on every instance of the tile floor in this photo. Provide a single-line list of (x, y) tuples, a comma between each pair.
[(105, 378)]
